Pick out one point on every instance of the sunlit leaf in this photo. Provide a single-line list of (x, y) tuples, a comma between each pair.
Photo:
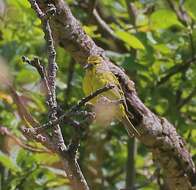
[(18, 3), (162, 48), (8, 163), (130, 40), (163, 18), (27, 76), (46, 158), (91, 31)]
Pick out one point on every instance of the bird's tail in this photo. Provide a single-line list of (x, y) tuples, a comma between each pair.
[(131, 130)]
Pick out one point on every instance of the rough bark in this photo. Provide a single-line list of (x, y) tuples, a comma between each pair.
[(160, 136)]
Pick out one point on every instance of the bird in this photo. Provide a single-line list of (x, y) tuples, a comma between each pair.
[(110, 104)]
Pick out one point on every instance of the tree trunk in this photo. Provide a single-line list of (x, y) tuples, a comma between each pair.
[(130, 168)]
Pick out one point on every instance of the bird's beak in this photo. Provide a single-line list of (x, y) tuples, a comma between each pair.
[(87, 66)]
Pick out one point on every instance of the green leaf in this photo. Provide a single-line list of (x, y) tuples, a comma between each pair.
[(56, 182), (27, 76), (163, 19), (190, 7), (8, 163), (91, 31), (130, 40), (18, 4), (46, 158), (162, 48)]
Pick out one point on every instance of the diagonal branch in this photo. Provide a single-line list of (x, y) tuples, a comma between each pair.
[(29, 121), (91, 96), (65, 117), (104, 25), (187, 99)]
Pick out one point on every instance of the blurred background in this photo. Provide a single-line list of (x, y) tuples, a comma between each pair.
[(154, 41)]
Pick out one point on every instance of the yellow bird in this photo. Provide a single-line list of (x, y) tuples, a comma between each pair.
[(107, 105)]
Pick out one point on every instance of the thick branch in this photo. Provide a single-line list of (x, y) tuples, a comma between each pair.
[(158, 134)]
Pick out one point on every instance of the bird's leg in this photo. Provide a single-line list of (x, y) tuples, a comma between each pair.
[(117, 102), (122, 101), (130, 115), (105, 100)]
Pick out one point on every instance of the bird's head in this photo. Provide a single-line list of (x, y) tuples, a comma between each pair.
[(92, 61)]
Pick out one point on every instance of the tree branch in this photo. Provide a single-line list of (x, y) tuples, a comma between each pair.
[(104, 25), (180, 68), (157, 133), (187, 99), (65, 117), (5, 131), (70, 163)]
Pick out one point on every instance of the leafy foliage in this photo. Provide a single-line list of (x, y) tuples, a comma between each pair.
[(152, 51)]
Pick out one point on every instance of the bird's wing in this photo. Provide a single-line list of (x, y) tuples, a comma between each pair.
[(104, 78), (87, 85), (113, 78)]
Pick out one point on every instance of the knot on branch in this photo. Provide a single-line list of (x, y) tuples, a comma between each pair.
[(29, 131), (51, 10), (35, 62), (41, 138)]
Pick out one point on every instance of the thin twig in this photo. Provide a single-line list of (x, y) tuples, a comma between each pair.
[(35, 63), (176, 69), (145, 183), (65, 117), (150, 180), (18, 141), (30, 122), (38, 11), (73, 146), (187, 99), (131, 9), (40, 69), (104, 25), (91, 96)]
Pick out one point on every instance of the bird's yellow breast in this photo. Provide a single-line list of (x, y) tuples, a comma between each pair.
[(95, 79)]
